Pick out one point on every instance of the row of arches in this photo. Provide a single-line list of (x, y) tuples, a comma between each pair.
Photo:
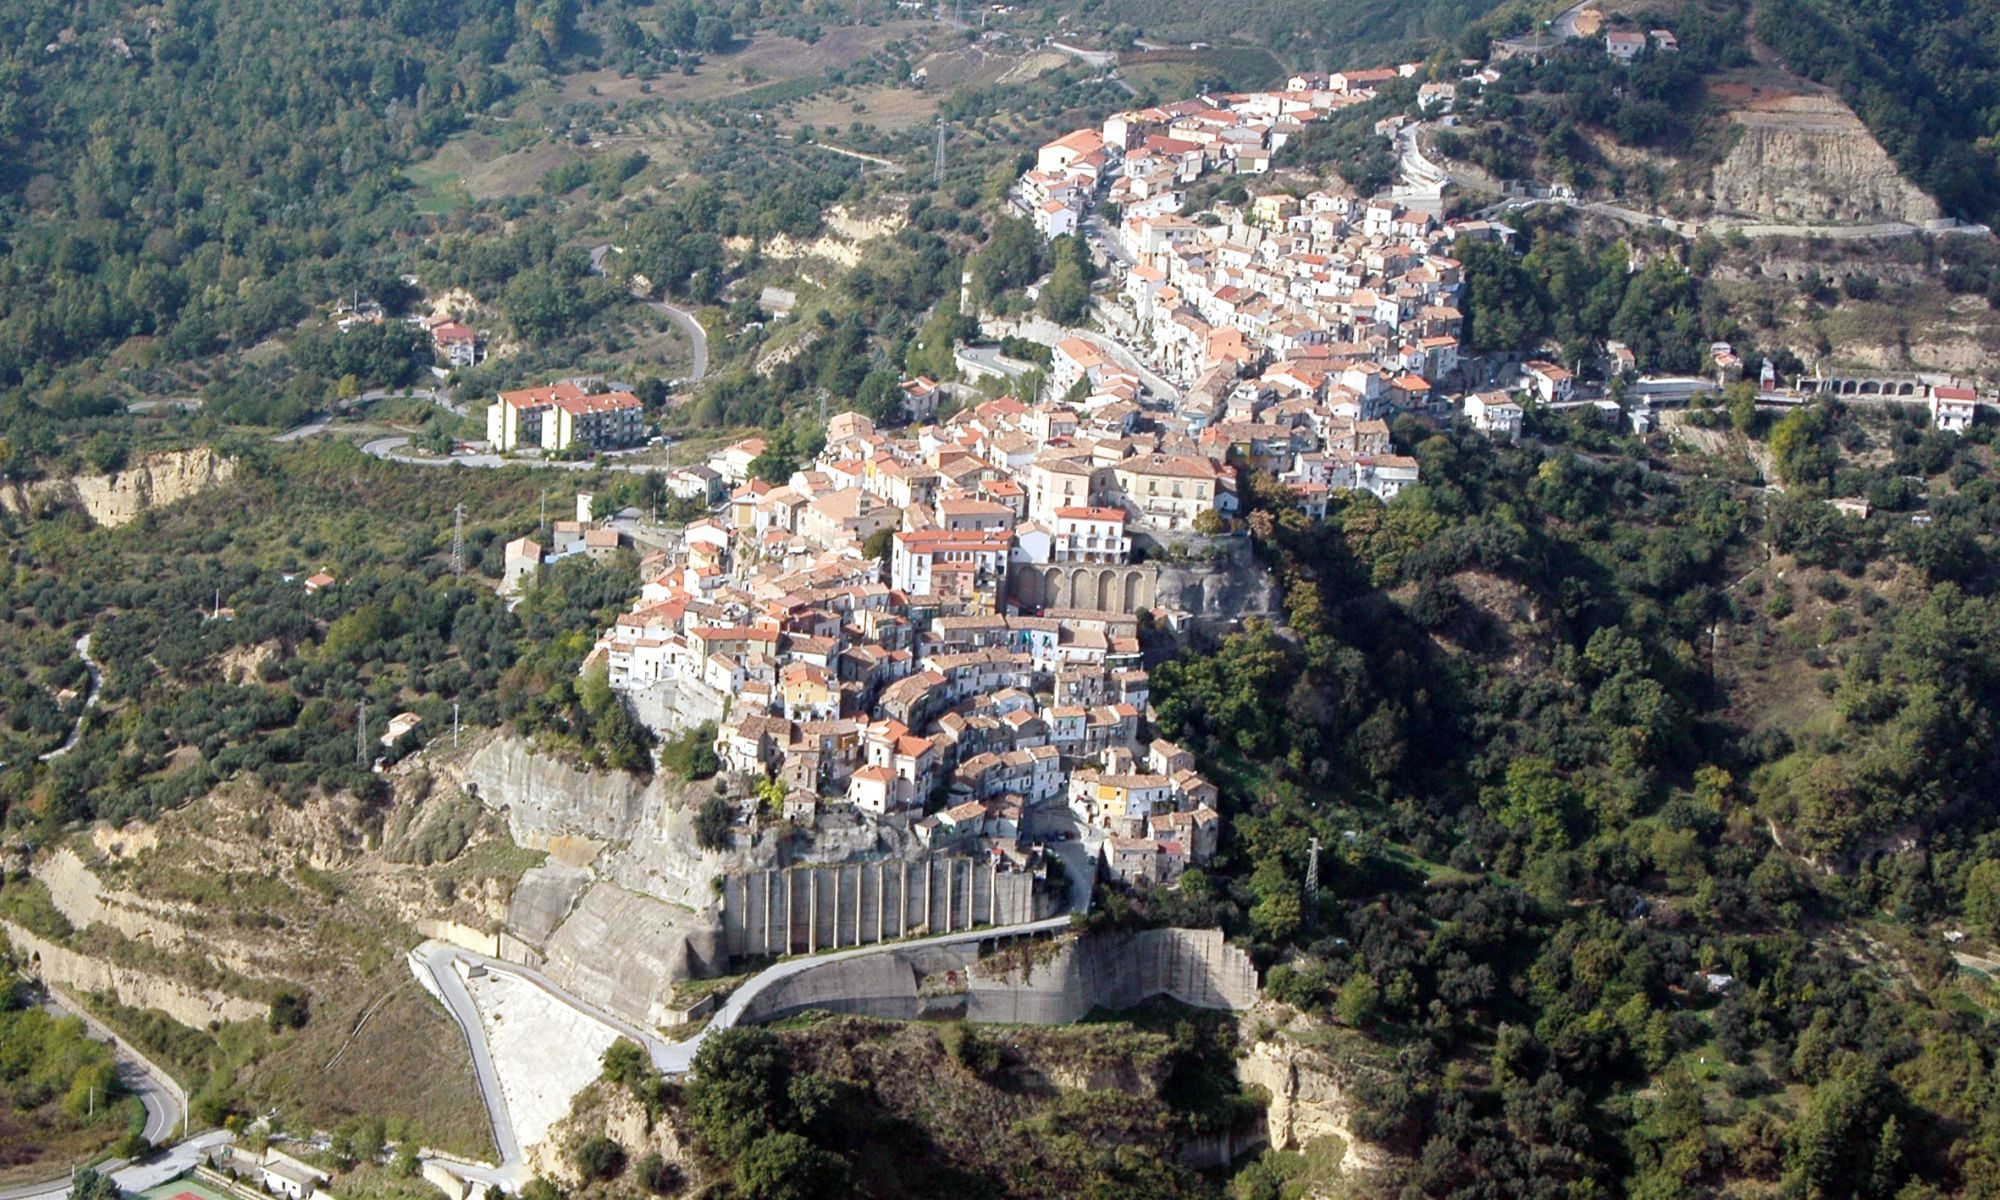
[(1864, 387), (1112, 589)]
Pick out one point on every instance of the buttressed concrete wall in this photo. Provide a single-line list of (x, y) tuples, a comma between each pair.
[(1038, 986), (803, 910)]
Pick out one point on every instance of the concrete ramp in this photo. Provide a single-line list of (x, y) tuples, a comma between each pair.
[(542, 901)]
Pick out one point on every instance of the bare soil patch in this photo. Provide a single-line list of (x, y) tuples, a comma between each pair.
[(889, 109), (763, 59)]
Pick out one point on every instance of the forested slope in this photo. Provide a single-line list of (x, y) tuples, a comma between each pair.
[(1638, 843), (1925, 78), (203, 172)]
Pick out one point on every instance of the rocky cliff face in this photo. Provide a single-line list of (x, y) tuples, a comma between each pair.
[(1310, 1099), (638, 835), (83, 899), (604, 1110), (544, 799), (1810, 159), (118, 499), (193, 1007)]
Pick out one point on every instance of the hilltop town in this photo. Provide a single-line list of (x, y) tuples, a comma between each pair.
[(945, 619), (936, 626), (1296, 325)]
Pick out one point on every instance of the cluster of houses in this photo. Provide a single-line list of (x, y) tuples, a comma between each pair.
[(1143, 160), (1297, 326), (909, 687), (453, 343), (523, 558)]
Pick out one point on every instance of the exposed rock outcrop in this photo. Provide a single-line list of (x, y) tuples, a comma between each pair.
[(847, 235), (193, 1007), (1810, 159), (1311, 1098), (543, 798), (81, 898), (605, 1110), (118, 498), (637, 834)]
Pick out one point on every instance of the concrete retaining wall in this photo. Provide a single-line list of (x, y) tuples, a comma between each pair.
[(1194, 966), (674, 706), (464, 936), (1114, 971), (803, 910)]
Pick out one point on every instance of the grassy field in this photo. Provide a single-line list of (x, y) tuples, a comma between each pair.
[(1172, 74), (481, 167), (763, 60), (891, 110)]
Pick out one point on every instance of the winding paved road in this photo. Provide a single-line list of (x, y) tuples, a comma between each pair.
[(1723, 226), (166, 1110), (133, 1177), (156, 1092), (436, 965), (1565, 24), (392, 449), (89, 701), (1048, 333), (683, 320)]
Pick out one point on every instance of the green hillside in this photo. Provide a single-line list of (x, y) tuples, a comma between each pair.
[(1926, 79)]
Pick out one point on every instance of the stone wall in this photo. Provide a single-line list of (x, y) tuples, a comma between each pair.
[(476, 940), (1116, 970), (193, 1007), (807, 909)]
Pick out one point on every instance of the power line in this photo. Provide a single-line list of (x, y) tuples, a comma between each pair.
[(458, 540), (361, 736), (937, 167)]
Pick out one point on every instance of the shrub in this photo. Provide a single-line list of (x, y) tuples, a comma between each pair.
[(289, 1010), (600, 1158), (659, 1176), (711, 823)]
